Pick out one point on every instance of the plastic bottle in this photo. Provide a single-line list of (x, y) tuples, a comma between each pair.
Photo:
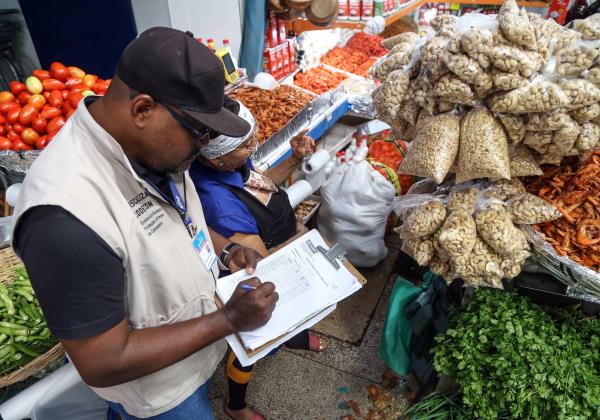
[(210, 43), (226, 46)]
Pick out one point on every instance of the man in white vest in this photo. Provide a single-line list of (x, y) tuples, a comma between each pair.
[(111, 231)]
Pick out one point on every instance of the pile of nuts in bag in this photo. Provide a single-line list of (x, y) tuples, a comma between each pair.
[(492, 96), (471, 232)]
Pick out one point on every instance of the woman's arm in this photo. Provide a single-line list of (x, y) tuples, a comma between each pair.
[(301, 145), (250, 241)]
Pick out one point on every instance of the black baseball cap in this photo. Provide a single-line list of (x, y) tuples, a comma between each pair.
[(174, 68)]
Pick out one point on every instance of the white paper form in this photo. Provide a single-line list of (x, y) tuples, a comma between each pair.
[(306, 283)]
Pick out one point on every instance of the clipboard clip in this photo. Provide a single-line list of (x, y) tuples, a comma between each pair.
[(336, 253)]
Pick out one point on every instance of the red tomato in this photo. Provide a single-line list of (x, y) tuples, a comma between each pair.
[(46, 95), (30, 136), (41, 74), (13, 136), (2, 119), (17, 87), (28, 113), (56, 98), (90, 80), (41, 142), (21, 146), (66, 107), (74, 98), (18, 127), (55, 124), (6, 96), (3, 130), (39, 124), (64, 94), (13, 116), (79, 88), (75, 72), (70, 112), (53, 84), (100, 85), (8, 126), (5, 144), (59, 71), (50, 112), (38, 101), (6, 107), (23, 98), (51, 136), (72, 82)]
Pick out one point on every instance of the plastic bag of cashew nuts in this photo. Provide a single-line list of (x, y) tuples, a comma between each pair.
[(593, 75), (512, 60), (463, 197), (538, 96), (529, 209), (504, 189), (453, 89), (392, 93), (515, 25), (585, 114), (507, 81), (589, 137), (574, 60), (434, 147), (397, 61), (514, 126), (477, 43), (589, 28), (579, 92), (458, 234), (419, 249), (424, 220), (495, 227), (481, 261), (466, 68), (483, 150), (522, 162), (408, 37), (548, 121)]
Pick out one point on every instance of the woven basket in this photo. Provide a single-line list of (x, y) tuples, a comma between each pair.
[(8, 261)]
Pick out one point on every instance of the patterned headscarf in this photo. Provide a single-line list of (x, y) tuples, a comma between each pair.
[(222, 145)]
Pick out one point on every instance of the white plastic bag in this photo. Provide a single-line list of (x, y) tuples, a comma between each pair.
[(356, 203)]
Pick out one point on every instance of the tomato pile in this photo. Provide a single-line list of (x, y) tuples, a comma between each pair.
[(319, 80), (370, 44), (31, 113)]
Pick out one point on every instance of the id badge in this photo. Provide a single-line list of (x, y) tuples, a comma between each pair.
[(204, 250)]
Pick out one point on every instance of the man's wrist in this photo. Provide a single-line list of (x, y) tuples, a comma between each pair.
[(294, 160), (225, 256)]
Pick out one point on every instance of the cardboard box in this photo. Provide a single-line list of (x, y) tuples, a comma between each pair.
[(270, 59), (292, 52), (281, 32), (343, 10), (279, 58), (285, 51), (367, 10)]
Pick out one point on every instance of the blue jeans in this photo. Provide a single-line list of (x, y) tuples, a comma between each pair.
[(195, 407)]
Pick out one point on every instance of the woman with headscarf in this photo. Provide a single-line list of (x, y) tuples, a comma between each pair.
[(250, 209)]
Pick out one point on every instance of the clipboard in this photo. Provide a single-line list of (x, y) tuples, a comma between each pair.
[(335, 255)]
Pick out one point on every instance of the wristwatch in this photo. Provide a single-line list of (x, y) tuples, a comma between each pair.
[(224, 257)]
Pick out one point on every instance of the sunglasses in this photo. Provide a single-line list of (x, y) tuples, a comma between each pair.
[(200, 136)]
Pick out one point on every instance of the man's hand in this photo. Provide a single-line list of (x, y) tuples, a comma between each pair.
[(248, 310), (243, 257), (302, 145)]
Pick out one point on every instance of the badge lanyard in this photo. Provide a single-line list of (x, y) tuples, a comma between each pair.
[(178, 203)]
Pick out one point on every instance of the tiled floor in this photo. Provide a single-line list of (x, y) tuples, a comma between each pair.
[(296, 384)]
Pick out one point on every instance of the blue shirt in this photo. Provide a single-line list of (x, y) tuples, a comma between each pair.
[(223, 211)]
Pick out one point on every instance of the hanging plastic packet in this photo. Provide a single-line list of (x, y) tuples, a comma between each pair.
[(529, 209), (463, 197), (495, 227), (419, 249), (423, 220), (504, 189), (458, 234), (522, 162), (434, 148), (483, 150)]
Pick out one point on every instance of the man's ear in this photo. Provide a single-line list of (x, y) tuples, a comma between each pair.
[(142, 107)]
